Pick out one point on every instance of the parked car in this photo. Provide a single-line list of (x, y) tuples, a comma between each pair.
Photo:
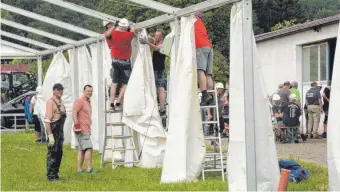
[(15, 105)]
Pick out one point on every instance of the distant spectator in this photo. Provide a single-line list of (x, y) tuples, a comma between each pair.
[(284, 92), (294, 90), (314, 108), (326, 96), (291, 114)]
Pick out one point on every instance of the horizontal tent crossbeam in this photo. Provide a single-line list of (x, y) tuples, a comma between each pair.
[(19, 47), (156, 6), (50, 21), (206, 5), (37, 31), (83, 10), (27, 40), (68, 46)]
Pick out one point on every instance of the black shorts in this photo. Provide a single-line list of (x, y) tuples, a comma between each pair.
[(36, 123), (121, 71), (325, 121)]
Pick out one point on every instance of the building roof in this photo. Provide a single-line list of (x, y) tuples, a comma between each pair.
[(15, 68), (298, 28)]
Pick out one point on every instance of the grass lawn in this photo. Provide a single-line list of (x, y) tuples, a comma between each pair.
[(23, 167)]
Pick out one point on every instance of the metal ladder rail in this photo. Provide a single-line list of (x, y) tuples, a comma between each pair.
[(122, 149), (218, 137)]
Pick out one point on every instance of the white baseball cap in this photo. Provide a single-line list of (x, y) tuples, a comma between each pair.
[(105, 23), (123, 23), (219, 86), (276, 97)]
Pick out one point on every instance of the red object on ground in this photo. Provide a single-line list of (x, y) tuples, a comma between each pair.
[(284, 180)]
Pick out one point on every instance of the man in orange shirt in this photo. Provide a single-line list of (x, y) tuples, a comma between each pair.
[(204, 57), (54, 121), (120, 37), (81, 114)]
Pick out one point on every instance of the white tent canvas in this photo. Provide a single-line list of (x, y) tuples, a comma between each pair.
[(58, 72), (141, 113), (333, 135), (267, 175), (185, 146), (8, 51)]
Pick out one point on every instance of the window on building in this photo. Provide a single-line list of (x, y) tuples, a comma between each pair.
[(315, 62)]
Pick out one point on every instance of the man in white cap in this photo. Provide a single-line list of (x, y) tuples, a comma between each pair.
[(291, 114), (119, 37)]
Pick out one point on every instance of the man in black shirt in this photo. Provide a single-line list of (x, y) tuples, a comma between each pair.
[(291, 115), (158, 60), (314, 108), (326, 96)]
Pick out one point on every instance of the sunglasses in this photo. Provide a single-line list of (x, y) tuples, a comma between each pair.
[(60, 89)]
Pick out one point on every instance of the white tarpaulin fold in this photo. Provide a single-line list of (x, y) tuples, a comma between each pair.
[(58, 72), (185, 146), (140, 113), (333, 135), (266, 157)]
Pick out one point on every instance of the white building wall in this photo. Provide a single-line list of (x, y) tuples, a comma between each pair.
[(281, 58)]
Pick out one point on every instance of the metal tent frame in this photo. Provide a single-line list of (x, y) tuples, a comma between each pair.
[(171, 14)]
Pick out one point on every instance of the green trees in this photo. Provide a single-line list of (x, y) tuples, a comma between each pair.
[(268, 15)]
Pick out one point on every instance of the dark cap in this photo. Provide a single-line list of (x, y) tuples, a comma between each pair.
[(58, 86)]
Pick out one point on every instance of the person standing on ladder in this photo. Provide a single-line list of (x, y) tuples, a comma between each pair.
[(81, 114), (54, 121), (158, 60), (120, 35), (204, 57)]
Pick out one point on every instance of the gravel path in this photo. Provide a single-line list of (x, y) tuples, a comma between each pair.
[(313, 150)]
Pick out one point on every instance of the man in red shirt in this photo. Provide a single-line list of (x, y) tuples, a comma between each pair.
[(119, 38), (81, 113), (204, 57)]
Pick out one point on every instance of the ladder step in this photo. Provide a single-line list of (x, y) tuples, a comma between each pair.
[(209, 122), (113, 111), (118, 137), (208, 138), (212, 154), (206, 170), (122, 163), (115, 149), (208, 106), (115, 124)]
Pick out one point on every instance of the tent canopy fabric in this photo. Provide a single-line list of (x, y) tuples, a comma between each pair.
[(8, 52)]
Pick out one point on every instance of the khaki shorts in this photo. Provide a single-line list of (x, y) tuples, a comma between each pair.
[(84, 141), (204, 58)]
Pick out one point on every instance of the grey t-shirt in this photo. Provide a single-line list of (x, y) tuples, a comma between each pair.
[(313, 96), (284, 94)]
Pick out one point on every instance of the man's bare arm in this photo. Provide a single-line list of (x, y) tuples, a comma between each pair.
[(75, 116), (109, 32), (325, 97), (155, 47)]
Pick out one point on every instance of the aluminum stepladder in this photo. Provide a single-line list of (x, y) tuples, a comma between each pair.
[(125, 136), (214, 161)]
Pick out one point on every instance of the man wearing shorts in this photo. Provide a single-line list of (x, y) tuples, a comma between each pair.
[(158, 60), (204, 57), (81, 114), (120, 36)]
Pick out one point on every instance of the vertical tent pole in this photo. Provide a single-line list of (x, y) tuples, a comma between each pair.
[(248, 75), (100, 93), (75, 71), (39, 70)]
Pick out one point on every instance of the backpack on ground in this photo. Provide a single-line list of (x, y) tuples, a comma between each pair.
[(297, 173)]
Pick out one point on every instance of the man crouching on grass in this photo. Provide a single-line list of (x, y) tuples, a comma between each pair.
[(81, 114)]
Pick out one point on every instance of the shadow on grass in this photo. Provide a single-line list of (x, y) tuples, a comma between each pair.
[(24, 168)]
